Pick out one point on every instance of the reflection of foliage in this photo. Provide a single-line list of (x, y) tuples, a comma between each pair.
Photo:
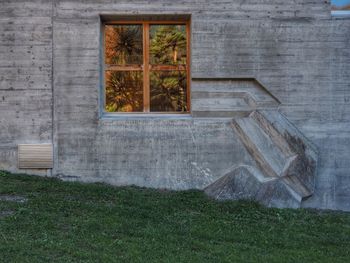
[(168, 91), (168, 88), (124, 44), (124, 91), (168, 44)]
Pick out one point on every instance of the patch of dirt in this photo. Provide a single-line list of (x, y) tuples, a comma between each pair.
[(13, 198), (6, 213)]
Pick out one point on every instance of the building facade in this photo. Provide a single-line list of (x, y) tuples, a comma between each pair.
[(268, 89)]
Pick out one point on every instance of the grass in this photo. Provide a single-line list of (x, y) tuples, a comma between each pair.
[(73, 222)]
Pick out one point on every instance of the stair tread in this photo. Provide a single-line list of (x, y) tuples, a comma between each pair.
[(220, 104), (272, 132), (297, 186), (267, 148)]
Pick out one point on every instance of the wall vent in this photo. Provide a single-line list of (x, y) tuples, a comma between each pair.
[(35, 156)]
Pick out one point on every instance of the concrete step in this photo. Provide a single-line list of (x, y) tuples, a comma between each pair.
[(223, 87), (292, 142), (296, 187), (285, 163), (272, 132), (282, 125), (221, 104), (262, 147), (243, 182), (246, 182), (230, 103)]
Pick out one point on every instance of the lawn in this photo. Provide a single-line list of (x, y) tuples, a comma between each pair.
[(46, 220)]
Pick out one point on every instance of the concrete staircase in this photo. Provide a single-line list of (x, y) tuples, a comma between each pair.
[(229, 97), (285, 163)]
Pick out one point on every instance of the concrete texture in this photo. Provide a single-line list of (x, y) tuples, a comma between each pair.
[(249, 184), (49, 91), (285, 163)]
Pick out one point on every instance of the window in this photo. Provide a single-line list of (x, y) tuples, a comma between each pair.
[(340, 7), (146, 67)]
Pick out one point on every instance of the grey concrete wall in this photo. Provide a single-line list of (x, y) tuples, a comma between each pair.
[(25, 77), (297, 51)]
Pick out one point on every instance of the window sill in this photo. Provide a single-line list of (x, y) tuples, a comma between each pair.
[(145, 116)]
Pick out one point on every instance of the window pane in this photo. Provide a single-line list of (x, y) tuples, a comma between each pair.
[(124, 91), (341, 5), (168, 44), (168, 91), (124, 44)]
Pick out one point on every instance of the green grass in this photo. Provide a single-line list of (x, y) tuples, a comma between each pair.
[(73, 222)]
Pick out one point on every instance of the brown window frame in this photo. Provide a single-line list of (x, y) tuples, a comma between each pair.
[(146, 68)]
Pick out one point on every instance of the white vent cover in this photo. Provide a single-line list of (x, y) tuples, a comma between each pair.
[(35, 156)]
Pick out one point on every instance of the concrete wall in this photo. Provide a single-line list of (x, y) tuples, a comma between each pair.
[(295, 49), (25, 77)]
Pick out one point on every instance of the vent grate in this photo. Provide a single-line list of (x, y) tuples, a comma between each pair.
[(35, 156)]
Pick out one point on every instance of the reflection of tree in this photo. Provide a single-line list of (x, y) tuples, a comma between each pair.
[(168, 44), (123, 44), (168, 91), (168, 88), (124, 91)]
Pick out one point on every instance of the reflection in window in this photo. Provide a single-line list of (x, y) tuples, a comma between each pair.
[(168, 91), (168, 44), (340, 7), (123, 44), (124, 91), (145, 67)]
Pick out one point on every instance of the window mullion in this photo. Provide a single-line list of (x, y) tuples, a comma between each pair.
[(146, 73), (188, 62)]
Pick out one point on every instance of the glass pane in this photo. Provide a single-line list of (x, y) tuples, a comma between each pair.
[(341, 5), (168, 91), (123, 44), (124, 91), (168, 44)]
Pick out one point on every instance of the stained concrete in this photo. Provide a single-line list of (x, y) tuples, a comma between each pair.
[(285, 165), (49, 90)]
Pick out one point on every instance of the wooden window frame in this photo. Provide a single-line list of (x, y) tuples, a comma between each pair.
[(147, 68)]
